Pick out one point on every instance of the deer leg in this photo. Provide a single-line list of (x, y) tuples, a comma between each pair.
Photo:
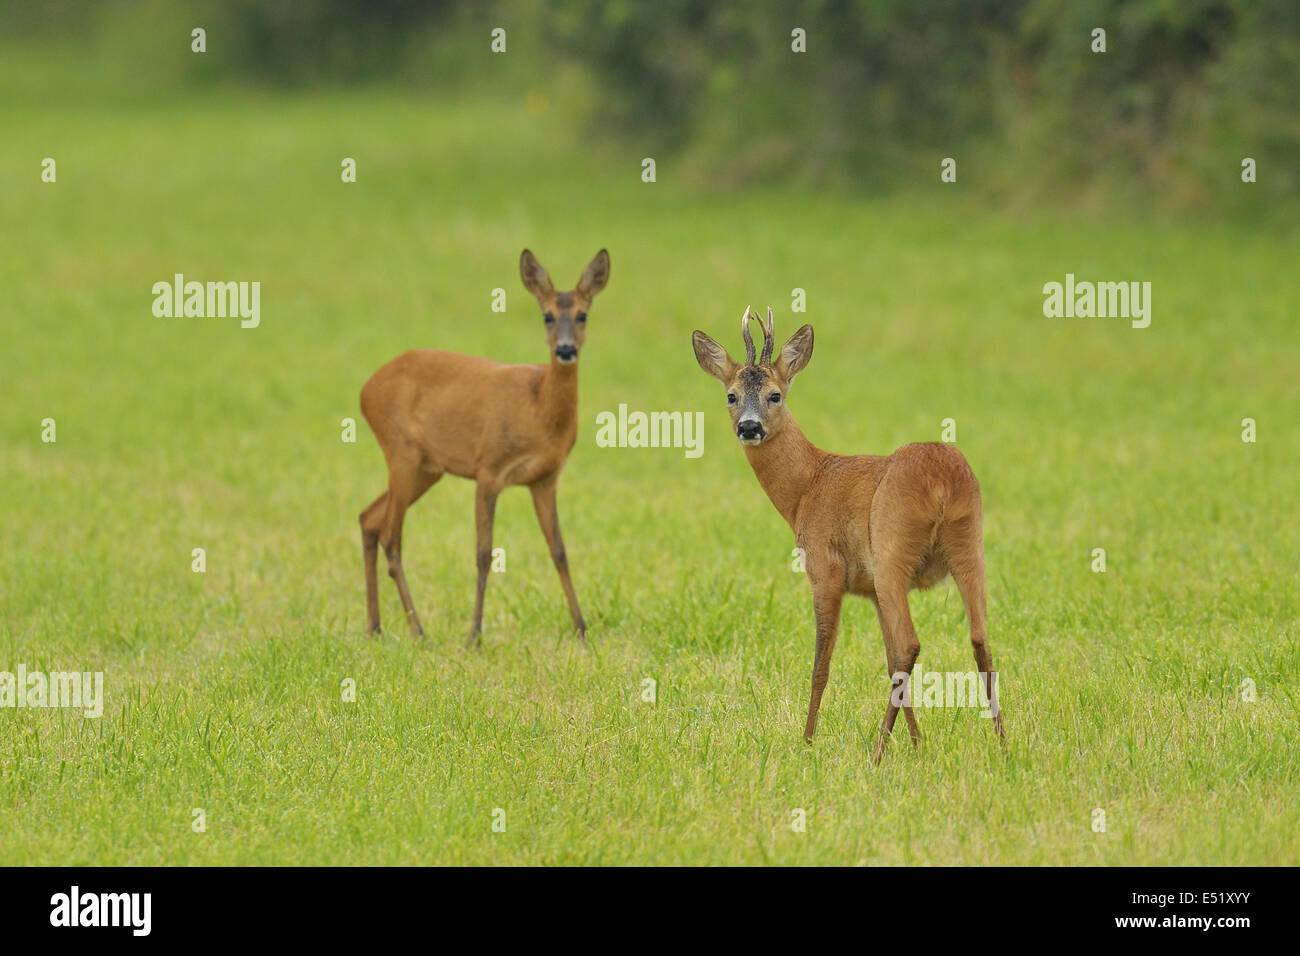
[(827, 599), (901, 635), (548, 516), (372, 522), (890, 664), (965, 549), (392, 542), (404, 488), (485, 507)]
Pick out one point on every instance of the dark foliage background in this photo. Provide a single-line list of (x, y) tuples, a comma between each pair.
[(1184, 91)]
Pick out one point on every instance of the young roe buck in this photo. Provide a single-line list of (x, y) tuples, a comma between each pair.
[(872, 525), (499, 425)]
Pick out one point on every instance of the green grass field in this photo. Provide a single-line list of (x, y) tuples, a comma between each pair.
[(1121, 691)]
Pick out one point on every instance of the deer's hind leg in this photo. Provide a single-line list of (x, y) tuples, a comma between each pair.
[(485, 509), (372, 521), (913, 730), (904, 648), (904, 540), (963, 544), (406, 483)]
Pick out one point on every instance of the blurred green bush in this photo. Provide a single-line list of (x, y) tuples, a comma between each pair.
[(1011, 88)]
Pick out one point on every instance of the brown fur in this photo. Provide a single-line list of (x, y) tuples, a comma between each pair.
[(876, 526), (436, 413)]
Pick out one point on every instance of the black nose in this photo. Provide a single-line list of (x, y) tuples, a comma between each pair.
[(749, 430), (566, 353)]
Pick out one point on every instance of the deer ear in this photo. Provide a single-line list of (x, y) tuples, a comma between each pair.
[(713, 358), (595, 275), (795, 354), (536, 279)]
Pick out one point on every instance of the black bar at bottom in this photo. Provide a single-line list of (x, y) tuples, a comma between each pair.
[(891, 907)]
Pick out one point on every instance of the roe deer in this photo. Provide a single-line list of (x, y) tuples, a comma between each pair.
[(872, 525), (437, 412)]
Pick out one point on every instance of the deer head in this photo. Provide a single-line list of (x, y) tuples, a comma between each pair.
[(756, 391), (565, 313)]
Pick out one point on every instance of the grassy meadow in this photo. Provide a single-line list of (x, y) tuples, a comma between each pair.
[(1121, 691)]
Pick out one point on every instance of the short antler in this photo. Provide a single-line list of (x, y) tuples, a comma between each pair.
[(749, 339), (769, 338)]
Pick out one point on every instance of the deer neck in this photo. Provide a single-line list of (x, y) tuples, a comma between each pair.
[(785, 465), (558, 396)]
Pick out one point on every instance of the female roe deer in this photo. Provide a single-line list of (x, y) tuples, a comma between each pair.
[(437, 412), (876, 526)]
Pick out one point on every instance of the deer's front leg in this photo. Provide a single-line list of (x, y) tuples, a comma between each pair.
[(548, 516), (485, 506), (828, 595)]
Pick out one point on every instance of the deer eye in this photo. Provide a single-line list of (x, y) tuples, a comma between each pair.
[(548, 317), (581, 317), (775, 398), (731, 398)]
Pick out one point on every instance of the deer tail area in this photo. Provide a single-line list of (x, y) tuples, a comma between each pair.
[(954, 496)]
